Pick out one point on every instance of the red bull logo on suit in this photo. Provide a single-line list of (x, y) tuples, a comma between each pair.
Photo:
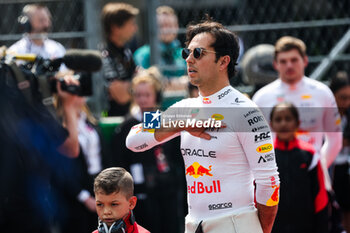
[(196, 170), (206, 100), (200, 187)]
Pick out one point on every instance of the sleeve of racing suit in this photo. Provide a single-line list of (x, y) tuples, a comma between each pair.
[(259, 150), (333, 133), (139, 139)]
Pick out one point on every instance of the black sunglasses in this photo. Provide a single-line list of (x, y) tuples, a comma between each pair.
[(197, 52)]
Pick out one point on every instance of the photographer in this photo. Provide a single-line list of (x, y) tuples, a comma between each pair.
[(33, 143)]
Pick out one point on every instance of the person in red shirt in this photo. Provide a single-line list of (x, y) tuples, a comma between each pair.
[(115, 200)]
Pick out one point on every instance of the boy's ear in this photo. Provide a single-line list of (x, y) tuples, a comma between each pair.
[(132, 202)]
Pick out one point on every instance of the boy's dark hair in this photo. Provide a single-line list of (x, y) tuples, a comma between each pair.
[(287, 105), (114, 180), (287, 43), (226, 42), (340, 80), (116, 14)]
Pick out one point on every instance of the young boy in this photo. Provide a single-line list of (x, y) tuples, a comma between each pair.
[(115, 200)]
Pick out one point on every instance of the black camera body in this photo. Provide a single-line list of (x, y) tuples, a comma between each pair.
[(36, 78), (83, 89), (48, 69)]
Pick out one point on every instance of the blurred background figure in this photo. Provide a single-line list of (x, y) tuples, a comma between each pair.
[(171, 63), (119, 25), (319, 127), (319, 116), (159, 175), (36, 24), (303, 197), (340, 86), (257, 66)]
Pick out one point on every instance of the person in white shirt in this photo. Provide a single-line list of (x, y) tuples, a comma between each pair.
[(36, 21), (221, 162), (320, 119)]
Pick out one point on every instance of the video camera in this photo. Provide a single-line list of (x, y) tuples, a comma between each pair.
[(82, 62), (37, 75)]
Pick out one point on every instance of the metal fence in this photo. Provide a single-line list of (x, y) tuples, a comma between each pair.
[(322, 24), (72, 21)]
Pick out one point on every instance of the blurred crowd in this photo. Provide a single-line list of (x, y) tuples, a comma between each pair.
[(50, 157)]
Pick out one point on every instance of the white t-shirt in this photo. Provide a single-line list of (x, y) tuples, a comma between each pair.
[(317, 108), (50, 49), (220, 172)]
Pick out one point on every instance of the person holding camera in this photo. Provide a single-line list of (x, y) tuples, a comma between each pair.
[(118, 66), (36, 23), (32, 164)]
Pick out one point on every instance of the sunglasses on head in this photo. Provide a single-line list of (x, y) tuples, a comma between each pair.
[(197, 52)]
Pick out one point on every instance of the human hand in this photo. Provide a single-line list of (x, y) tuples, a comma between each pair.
[(196, 130), (68, 99), (201, 131)]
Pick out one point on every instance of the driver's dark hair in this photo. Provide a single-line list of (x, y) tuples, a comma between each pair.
[(226, 42)]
